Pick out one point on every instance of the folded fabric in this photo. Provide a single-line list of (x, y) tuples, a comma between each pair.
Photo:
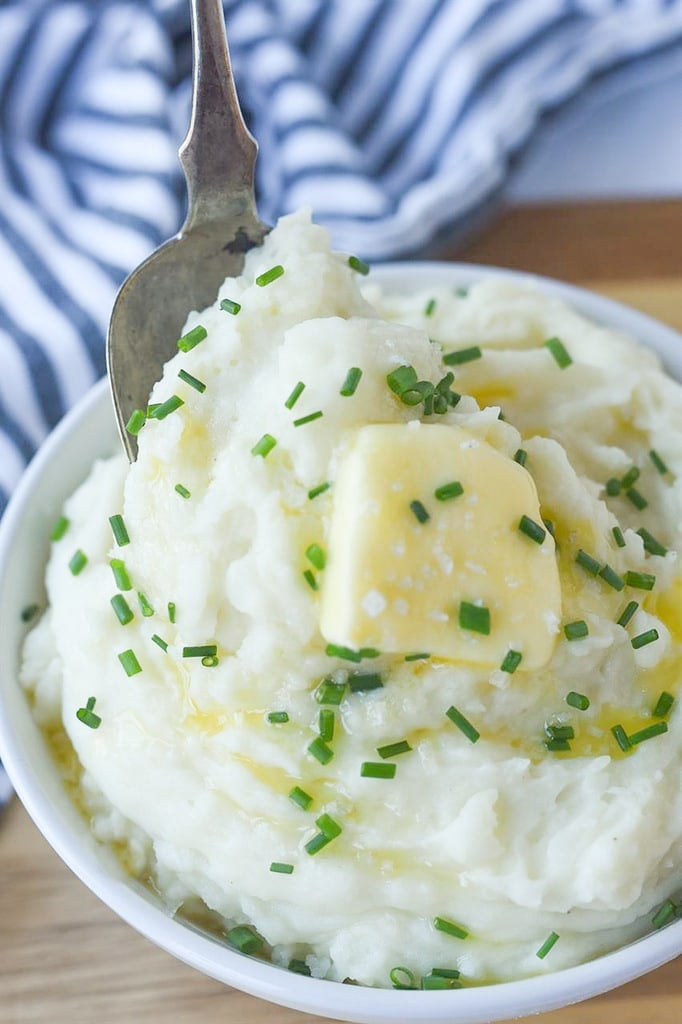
[(393, 119)]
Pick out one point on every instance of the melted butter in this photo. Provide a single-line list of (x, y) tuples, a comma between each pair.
[(667, 606), (396, 582)]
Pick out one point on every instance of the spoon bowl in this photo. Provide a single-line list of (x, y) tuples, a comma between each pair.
[(218, 158)]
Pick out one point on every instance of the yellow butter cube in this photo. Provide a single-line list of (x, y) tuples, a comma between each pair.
[(402, 561)]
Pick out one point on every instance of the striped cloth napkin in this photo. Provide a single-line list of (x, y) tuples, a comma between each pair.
[(393, 119)]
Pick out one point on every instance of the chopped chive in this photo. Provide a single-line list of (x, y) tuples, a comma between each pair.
[(377, 770), (656, 729), (474, 617), (309, 577), (346, 653), (299, 967), (316, 555), (430, 307), (200, 651), (300, 798), (547, 945), (658, 462), (245, 939), (419, 656), (264, 446), (445, 972), (431, 982), (295, 395), (402, 379), (193, 382), (461, 292), (549, 525), (77, 562), (328, 826), (531, 529), (171, 612), (359, 266), (190, 340), (402, 978), (630, 477), (555, 744), (393, 749), (587, 562), (651, 545), (464, 355), (463, 724), (121, 577), (521, 456), (643, 639), (228, 306), (308, 419), (448, 491), (351, 382), (576, 630), (329, 692), (442, 924), (131, 665), (152, 408), (122, 609), (558, 350), (637, 499), (627, 614), (419, 511), (320, 751), (87, 716), (136, 421), (577, 700), (560, 732), (210, 661), (613, 486), (318, 842), (29, 612), (663, 704), (665, 913), (182, 491), (618, 536), (159, 642), (512, 660), (315, 492), (166, 408), (118, 528), (611, 577), (640, 580), (327, 721), (270, 275), (281, 869), (60, 528), (277, 717), (621, 737), (361, 683), (369, 652)]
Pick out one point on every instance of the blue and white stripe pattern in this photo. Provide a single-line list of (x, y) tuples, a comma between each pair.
[(393, 119)]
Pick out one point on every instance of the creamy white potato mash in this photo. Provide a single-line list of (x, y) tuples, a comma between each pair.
[(391, 672)]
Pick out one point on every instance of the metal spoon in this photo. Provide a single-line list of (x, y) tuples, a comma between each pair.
[(218, 158)]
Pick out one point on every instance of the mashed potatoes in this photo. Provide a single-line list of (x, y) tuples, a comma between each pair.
[(224, 748)]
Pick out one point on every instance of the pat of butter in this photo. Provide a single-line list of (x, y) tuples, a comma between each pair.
[(395, 583)]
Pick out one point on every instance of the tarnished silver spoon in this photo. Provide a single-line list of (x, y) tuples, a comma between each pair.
[(218, 158)]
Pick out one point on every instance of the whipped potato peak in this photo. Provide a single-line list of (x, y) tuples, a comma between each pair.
[(262, 726)]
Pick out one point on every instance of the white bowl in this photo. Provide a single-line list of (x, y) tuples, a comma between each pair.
[(62, 463)]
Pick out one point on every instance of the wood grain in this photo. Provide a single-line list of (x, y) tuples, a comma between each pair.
[(66, 959)]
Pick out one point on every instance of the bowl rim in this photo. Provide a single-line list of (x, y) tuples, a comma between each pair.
[(534, 994)]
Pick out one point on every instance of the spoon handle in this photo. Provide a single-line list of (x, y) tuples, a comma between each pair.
[(219, 153)]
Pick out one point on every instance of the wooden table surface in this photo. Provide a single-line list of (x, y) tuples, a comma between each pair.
[(66, 959)]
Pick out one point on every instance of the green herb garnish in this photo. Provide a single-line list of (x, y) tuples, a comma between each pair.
[(316, 555), (245, 939), (77, 562), (577, 700), (277, 717), (618, 536), (315, 492), (651, 731), (182, 491), (131, 665), (658, 462), (643, 639), (394, 749), (651, 545), (419, 511), (200, 651), (587, 562), (627, 614), (512, 660), (464, 355), (281, 869), (295, 395), (531, 529), (558, 350), (308, 419), (87, 716), (264, 446), (60, 528), (228, 306), (611, 577), (547, 945), (122, 609), (474, 617), (378, 770), (463, 724), (270, 275), (442, 924), (300, 798), (576, 630), (166, 408), (521, 456), (640, 580), (320, 751), (359, 266), (361, 683), (351, 382), (448, 491), (118, 528), (663, 705), (190, 340)]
